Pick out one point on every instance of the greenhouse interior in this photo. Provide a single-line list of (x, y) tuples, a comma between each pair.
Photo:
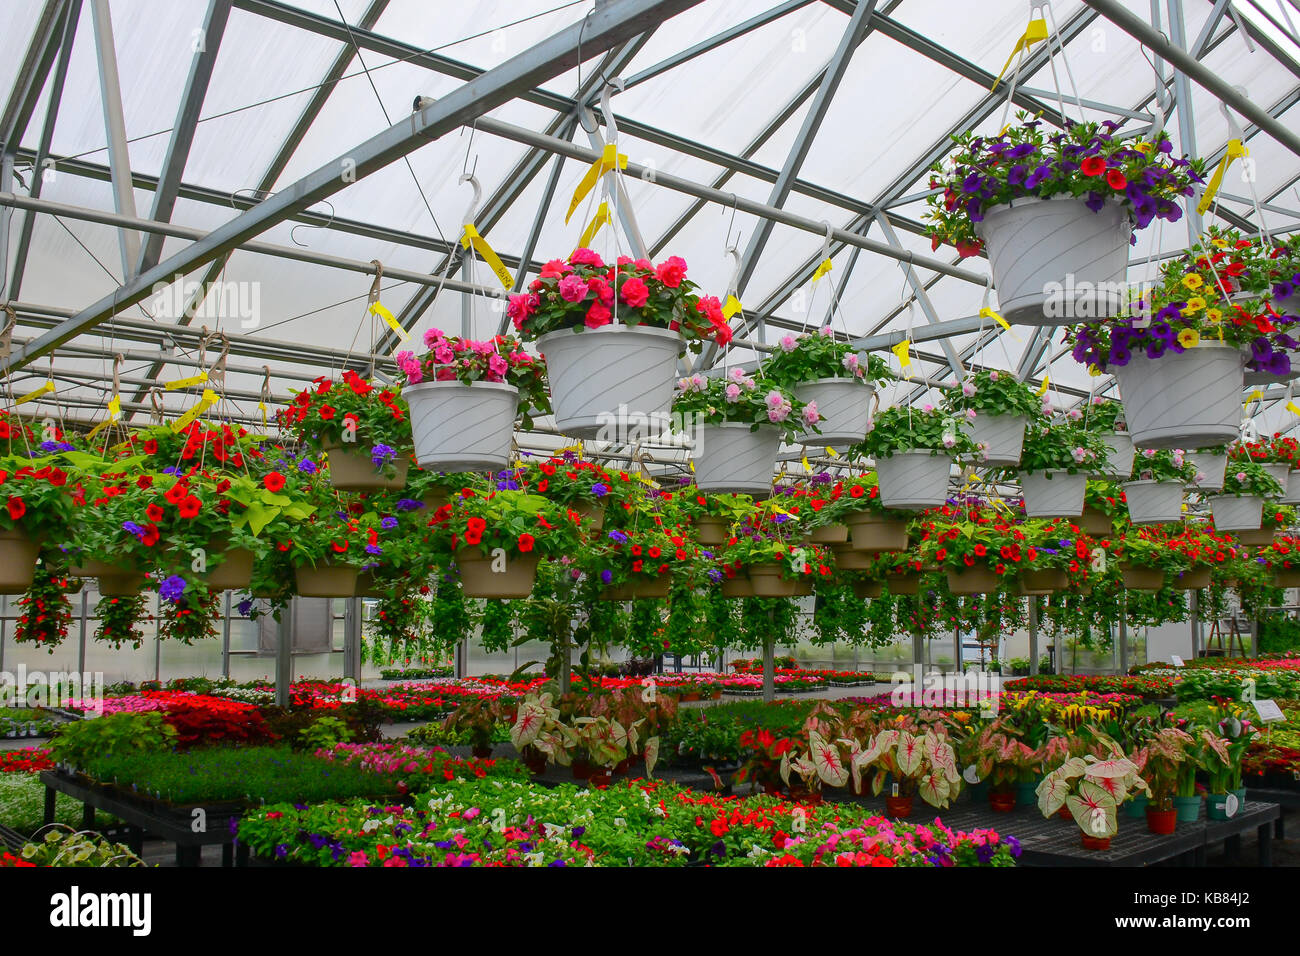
[(425, 442)]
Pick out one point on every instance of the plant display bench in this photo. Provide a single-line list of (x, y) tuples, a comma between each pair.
[(1286, 799), (173, 824)]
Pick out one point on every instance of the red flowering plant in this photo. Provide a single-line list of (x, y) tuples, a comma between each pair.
[(641, 555), (581, 488), (352, 414), (822, 499), (1279, 449), (752, 546), (37, 496), (1088, 161), (499, 359), (1174, 549), (583, 292), (44, 612), (341, 535), (213, 446), (1282, 555), (954, 539), (518, 522)]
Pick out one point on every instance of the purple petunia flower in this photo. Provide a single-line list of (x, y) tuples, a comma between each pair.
[(307, 466), (381, 454), (172, 588), (388, 523), (409, 504), (599, 489)]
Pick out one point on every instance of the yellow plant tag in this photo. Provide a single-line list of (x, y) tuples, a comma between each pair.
[(472, 238), (1293, 408), (207, 401), (987, 313), (901, 351), (807, 467), (186, 382), (825, 267), (114, 408), (99, 428), (1042, 389), (1036, 32), (379, 309), (1236, 150), (601, 218), (1251, 397), (731, 307), (609, 159), (32, 396)]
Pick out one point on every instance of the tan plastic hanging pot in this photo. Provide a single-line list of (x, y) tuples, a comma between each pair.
[(369, 586), (848, 559), (325, 580), (711, 531), (903, 583), (1043, 581), (1141, 579), (873, 534), (828, 534), (506, 578), (593, 514), (234, 573), (768, 581), (1259, 538), (868, 589), (351, 469), (1192, 580), (738, 587), (18, 554), (1286, 578), (1096, 523), (974, 580), (113, 580)]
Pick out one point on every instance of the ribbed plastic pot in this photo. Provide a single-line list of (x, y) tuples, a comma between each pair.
[(844, 405), (1055, 260), (850, 559), (872, 534), (733, 459), (1256, 539), (1046, 581), (1142, 579), (1004, 436), (120, 585), (1291, 489), (233, 573), (1280, 472), (18, 554), (479, 579), (1192, 580), (1119, 461), (460, 427), (1187, 400), (829, 534), (351, 469), (609, 377), (738, 587), (1053, 494), (1154, 502), (1237, 512), (1096, 522), (903, 583), (1286, 578), (326, 581), (913, 480), (711, 530), (768, 582), (973, 581), (1214, 465)]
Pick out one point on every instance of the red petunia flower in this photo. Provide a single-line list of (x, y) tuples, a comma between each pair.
[(525, 542), (190, 507), (1093, 166), (17, 507), (274, 482)]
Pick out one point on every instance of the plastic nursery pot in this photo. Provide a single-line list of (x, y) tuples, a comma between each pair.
[(1002, 801), (370, 586), (1188, 809), (868, 589), (593, 514), (1119, 458), (1055, 260), (1183, 400), (1162, 822), (913, 480), (459, 427), (581, 770), (481, 753), (611, 379), (900, 808), (738, 587), (974, 580), (1240, 794), (486, 577), (1192, 580), (536, 764), (1154, 502), (872, 534), (233, 573), (1096, 522), (1291, 489), (1286, 578), (1255, 539), (829, 534), (18, 555), (1025, 795), (120, 585), (846, 559), (325, 580), (712, 531), (351, 469), (1053, 494), (1141, 579), (1280, 472), (730, 458), (1003, 436), (1046, 581), (768, 581), (1221, 806), (1136, 807), (648, 589), (1095, 843), (844, 405), (903, 583), (1213, 465)]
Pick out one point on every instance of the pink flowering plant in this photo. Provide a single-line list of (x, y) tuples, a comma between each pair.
[(740, 397), (1060, 447), (583, 292), (1250, 478), (499, 359), (1164, 464), (817, 355), (990, 392), (903, 428)]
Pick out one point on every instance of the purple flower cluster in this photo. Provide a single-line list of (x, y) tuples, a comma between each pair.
[(172, 589)]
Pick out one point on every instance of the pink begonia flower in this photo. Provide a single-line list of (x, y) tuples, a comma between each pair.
[(927, 408), (737, 374), (732, 392), (597, 316), (573, 288), (1080, 454), (634, 293), (970, 413), (993, 375), (1074, 414), (671, 271), (968, 389), (497, 365), (810, 413), (788, 343), (1241, 476), (949, 441), (432, 337), (554, 269), (585, 257), (444, 355)]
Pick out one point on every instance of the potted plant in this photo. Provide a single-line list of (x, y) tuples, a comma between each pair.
[(914, 450), (996, 408), (1092, 788), (38, 510), (830, 376), (872, 528), (611, 336), (1211, 466), (499, 538), (1278, 455), (1241, 505), (328, 550), (584, 489), (1104, 507), (1002, 760), (639, 562), (1222, 751), (977, 550), (464, 397), (914, 762), (738, 424), (1154, 492), (1054, 466), (362, 430), (1161, 759), (1055, 211), (711, 517), (1104, 418)]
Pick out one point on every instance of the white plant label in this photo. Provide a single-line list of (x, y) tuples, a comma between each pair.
[(1176, 660), (1231, 805), (1268, 710)]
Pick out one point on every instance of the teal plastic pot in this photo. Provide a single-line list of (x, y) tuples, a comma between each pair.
[(1216, 806), (1025, 793), (1241, 798), (1136, 807), (979, 792), (1189, 809)]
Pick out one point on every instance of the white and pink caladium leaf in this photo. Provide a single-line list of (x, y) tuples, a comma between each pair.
[(1093, 810), (882, 743), (785, 768), (1218, 745), (651, 756), (934, 788), (1052, 792), (826, 758), (527, 725), (909, 754), (941, 756), (878, 782)]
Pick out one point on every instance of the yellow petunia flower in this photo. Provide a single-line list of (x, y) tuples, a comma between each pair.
[(1219, 243), (1195, 304), (1193, 281), (1189, 338), (1214, 315)]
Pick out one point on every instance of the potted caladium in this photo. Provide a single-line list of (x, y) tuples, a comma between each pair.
[(913, 449), (1002, 760), (830, 376), (362, 429), (1092, 788), (1056, 211), (1241, 505), (611, 335), (36, 508), (1105, 419), (499, 538), (996, 408), (1154, 492), (914, 762), (464, 397), (1161, 760), (1054, 466), (738, 423)]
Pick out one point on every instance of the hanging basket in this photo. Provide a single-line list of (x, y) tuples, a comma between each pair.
[(1053, 494), (1096, 523), (1183, 400), (868, 589), (351, 469), (768, 582), (1044, 581), (873, 534), (712, 531), (1002, 435), (593, 514), (113, 580), (640, 589), (828, 534), (234, 573), (902, 583), (1286, 578), (325, 581), (1119, 458), (1141, 579), (1291, 489), (1192, 580), (1055, 260), (459, 427), (738, 587), (1261, 538), (849, 559), (976, 580), (611, 380), (1154, 502), (369, 586), (1213, 465), (1237, 512), (735, 458), (18, 554), (844, 405), (913, 480), (479, 580)]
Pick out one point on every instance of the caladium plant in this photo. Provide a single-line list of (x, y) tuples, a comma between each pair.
[(1092, 787), (920, 763)]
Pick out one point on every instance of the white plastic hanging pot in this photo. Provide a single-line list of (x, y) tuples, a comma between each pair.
[(1187, 400), (913, 480), (1291, 495), (1004, 436), (1119, 459), (1053, 494), (1154, 502), (460, 427), (1279, 471), (611, 380), (1237, 512), (844, 405), (1056, 261), (1213, 465), (730, 458)]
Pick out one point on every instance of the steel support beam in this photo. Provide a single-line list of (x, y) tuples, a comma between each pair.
[(604, 28), (187, 121), (119, 157), (31, 75), (927, 307), (1186, 117)]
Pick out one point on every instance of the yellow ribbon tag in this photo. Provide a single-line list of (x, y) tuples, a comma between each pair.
[(1236, 150), (261, 407), (807, 467), (98, 428), (1042, 389), (114, 408), (207, 401), (472, 238), (987, 313), (186, 382), (832, 452), (731, 307), (1036, 32), (825, 267), (692, 464), (904, 358), (1251, 397), (1292, 408), (32, 396), (379, 309), (609, 159), (601, 218), (1094, 371)]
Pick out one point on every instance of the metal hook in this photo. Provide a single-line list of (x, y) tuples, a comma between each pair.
[(731, 223), (732, 286), (306, 225), (478, 196), (605, 94), (826, 243)]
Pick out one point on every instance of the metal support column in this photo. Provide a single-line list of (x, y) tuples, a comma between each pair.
[(352, 614), (225, 639), (115, 128), (81, 639), (1123, 636), (284, 653), (1033, 635), (1194, 606)]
